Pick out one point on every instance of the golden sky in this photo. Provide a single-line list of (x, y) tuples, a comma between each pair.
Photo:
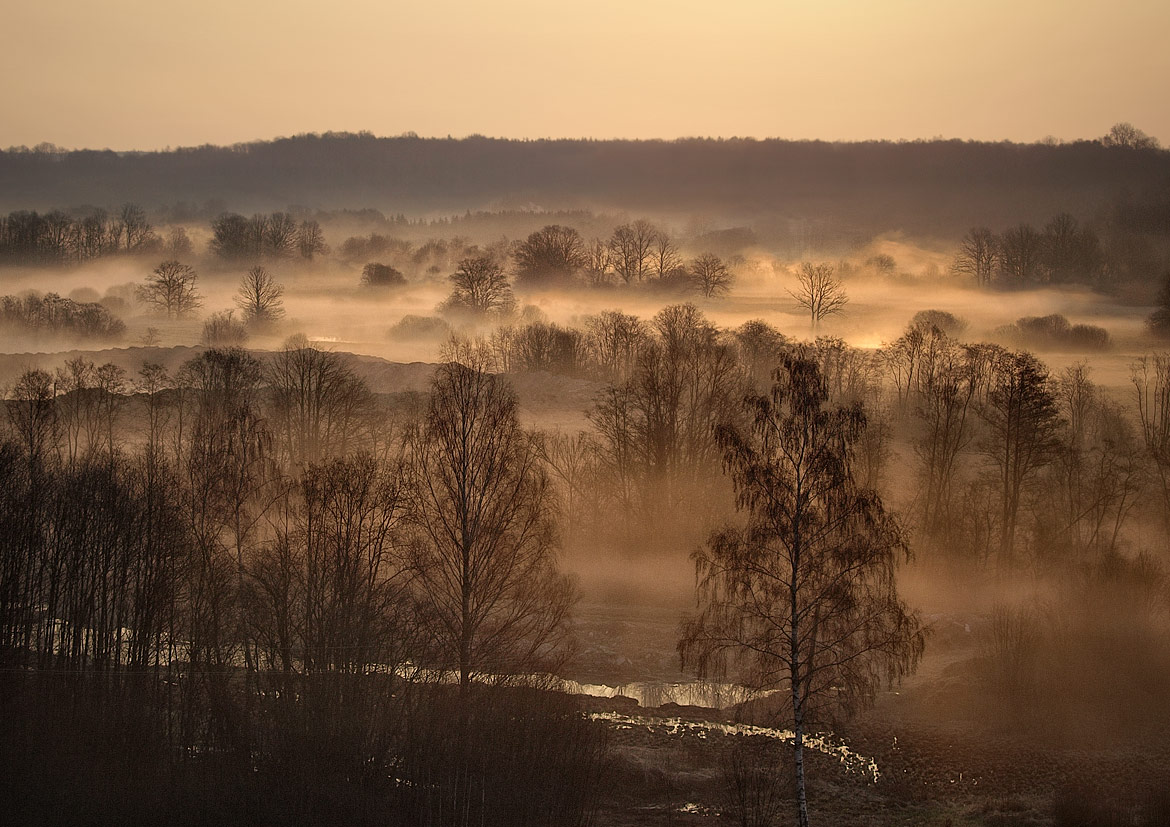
[(128, 74)]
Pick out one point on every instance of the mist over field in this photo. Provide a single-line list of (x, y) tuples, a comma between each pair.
[(579, 499)]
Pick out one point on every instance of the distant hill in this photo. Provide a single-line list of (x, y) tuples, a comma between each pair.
[(923, 187)]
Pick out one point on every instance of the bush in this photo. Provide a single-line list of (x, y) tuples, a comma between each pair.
[(1054, 331), (948, 323), (223, 329), (420, 327), (381, 275)]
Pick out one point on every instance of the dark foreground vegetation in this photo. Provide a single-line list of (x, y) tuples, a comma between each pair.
[(256, 591), (268, 603)]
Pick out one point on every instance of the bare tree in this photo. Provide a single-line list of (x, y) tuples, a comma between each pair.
[(32, 411), (315, 406), (484, 533), (613, 340), (1151, 381), (552, 253), (1158, 322), (666, 263), (599, 261), (279, 235), (170, 289), (1023, 424), (710, 275), (631, 250), (760, 347), (135, 228), (978, 256), (260, 298), (480, 286), (310, 241), (1020, 257), (802, 595), (178, 243), (819, 291), (1127, 135)]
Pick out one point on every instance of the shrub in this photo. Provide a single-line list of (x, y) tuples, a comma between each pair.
[(375, 274), (419, 327), (223, 329), (948, 323)]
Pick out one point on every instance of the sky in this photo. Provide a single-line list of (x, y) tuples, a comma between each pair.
[(128, 74)]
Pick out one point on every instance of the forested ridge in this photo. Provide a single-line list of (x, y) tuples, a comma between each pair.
[(876, 185)]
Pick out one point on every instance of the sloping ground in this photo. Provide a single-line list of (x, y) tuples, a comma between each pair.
[(130, 359)]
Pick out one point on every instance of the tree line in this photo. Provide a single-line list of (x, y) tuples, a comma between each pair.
[(876, 185), (988, 427), (60, 237)]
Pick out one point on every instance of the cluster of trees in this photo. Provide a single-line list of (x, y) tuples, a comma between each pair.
[(275, 236), (636, 253), (1063, 252), (32, 316), (989, 429), (269, 569), (170, 290), (59, 237), (1054, 332)]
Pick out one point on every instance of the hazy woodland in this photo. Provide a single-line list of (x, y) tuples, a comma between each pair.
[(404, 480)]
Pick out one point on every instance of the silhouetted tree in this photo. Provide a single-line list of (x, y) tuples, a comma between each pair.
[(553, 253), (978, 256), (613, 340), (316, 405), (710, 275), (480, 286), (1151, 380), (819, 291), (1128, 136), (1023, 424), (178, 243), (280, 235), (310, 241), (1159, 321), (801, 596), (631, 250), (135, 229), (484, 548), (665, 262), (170, 289), (260, 298), (1020, 255), (232, 238), (376, 274)]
